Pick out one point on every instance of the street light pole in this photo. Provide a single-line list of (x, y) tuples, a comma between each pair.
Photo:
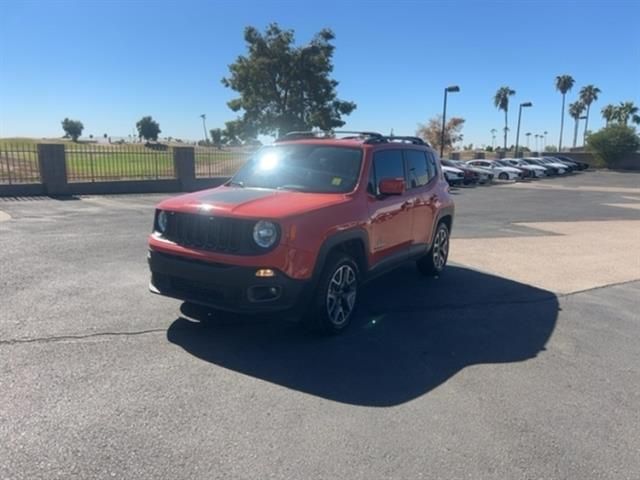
[(584, 138), (204, 126), (525, 104), (452, 89)]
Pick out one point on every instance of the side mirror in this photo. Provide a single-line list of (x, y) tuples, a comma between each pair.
[(391, 186)]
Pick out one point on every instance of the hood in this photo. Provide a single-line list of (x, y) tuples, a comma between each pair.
[(251, 202), (446, 168)]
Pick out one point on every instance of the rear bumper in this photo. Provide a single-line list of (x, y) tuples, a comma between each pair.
[(226, 287)]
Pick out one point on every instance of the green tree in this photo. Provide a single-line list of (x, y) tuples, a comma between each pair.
[(627, 111), (611, 144), (148, 128), (72, 129), (575, 111), (588, 95), (216, 136), (234, 132), (283, 87), (564, 83), (609, 113), (432, 131), (501, 102)]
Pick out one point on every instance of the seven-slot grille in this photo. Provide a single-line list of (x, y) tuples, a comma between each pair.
[(218, 234)]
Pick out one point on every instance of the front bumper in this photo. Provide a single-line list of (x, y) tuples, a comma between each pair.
[(226, 287)]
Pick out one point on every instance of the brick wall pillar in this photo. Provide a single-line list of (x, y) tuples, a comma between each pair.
[(184, 161), (53, 168)]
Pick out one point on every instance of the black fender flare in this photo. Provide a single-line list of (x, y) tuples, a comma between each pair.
[(444, 212), (333, 241)]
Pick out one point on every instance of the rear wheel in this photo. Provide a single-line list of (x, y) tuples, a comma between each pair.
[(435, 260), (336, 296)]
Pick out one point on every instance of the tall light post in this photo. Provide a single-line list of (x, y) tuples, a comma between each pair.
[(204, 126), (584, 138), (544, 141), (525, 104), (452, 89)]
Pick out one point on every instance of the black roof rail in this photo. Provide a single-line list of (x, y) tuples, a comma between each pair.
[(408, 139), (368, 137), (299, 135)]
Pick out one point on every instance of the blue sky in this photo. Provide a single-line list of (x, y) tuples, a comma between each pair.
[(109, 62)]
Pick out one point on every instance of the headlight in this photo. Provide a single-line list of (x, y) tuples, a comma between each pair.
[(162, 221), (265, 233)]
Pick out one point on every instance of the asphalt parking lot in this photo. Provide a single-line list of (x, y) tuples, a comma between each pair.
[(521, 361)]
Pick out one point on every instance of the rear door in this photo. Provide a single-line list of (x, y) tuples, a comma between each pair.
[(390, 217), (420, 187)]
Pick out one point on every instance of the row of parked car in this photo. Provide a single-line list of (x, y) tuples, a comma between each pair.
[(482, 171)]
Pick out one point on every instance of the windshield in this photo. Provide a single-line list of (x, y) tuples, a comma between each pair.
[(301, 167)]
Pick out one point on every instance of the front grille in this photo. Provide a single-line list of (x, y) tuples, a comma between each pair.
[(218, 234)]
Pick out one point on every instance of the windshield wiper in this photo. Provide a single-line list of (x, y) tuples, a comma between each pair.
[(236, 183)]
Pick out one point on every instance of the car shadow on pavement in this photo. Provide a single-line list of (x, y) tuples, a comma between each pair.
[(412, 334)]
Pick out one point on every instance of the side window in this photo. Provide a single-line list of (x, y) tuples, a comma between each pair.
[(417, 172), (387, 164), (432, 167)]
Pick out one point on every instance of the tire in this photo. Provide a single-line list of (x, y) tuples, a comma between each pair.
[(336, 297), (435, 260), (503, 176)]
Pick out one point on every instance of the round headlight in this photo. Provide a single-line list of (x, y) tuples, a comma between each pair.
[(162, 221), (265, 233)]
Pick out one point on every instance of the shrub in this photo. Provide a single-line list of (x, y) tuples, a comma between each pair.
[(611, 144)]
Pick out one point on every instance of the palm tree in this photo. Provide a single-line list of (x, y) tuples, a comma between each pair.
[(626, 111), (609, 113), (588, 95), (493, 137), (563, 85), (528, 134), (501, 101), (575, 110)]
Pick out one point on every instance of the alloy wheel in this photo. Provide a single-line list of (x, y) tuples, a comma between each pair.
[(341, 295), (441, 248)]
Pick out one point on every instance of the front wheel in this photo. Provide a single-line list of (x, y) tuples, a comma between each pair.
[(503, 176), (336, 296), (435, 260)]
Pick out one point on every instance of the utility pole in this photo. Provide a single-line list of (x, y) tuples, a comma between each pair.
[(204, 127)]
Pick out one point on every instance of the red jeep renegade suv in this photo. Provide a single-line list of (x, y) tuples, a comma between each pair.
[(303, 224)]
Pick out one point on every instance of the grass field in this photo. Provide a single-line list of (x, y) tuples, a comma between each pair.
[(104, 162)]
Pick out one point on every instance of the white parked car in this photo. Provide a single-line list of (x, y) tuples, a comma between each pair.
[(501, 172), (454, 176), (559, 168), (535, 171)]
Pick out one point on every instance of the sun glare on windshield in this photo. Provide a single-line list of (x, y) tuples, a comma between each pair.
[(268, 161)]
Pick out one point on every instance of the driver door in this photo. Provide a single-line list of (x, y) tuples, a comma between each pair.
[(391, 216)]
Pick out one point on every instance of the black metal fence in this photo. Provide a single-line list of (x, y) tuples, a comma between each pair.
[(103, 163), (19, 164), (215, 162)]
